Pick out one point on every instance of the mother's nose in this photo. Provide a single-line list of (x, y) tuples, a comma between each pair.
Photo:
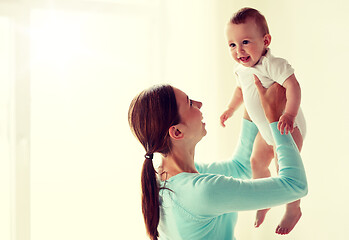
[(198, 104)]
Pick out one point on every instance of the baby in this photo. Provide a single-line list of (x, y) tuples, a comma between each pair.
[(248, 39)]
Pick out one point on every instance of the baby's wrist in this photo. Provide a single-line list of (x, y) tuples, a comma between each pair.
[(232, 109), (289, 115)]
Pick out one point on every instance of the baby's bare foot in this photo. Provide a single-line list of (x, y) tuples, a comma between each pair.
[(260, 215), (289, 220)]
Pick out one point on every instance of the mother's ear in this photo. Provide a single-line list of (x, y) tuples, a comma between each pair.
[(175, 132)]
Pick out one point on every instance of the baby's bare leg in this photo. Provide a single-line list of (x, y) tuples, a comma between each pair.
[(293, 211), (260, 160)]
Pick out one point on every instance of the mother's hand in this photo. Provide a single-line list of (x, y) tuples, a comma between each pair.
[(273, 100)]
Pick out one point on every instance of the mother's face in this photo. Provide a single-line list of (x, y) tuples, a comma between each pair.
[(190, 115)]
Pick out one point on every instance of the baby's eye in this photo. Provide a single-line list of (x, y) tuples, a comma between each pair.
[(232, 45), (245, 42), (191, 102)]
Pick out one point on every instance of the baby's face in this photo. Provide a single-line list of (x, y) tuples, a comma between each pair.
[(246, 43)]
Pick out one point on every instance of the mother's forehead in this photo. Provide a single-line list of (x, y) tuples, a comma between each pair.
[(180, 95)]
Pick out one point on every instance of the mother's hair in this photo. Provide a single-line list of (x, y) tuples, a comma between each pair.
[(152, 112)]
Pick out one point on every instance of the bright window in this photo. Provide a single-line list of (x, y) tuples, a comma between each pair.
[(85, 164)]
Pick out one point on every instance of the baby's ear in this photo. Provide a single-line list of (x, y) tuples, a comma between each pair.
[(267, 40)]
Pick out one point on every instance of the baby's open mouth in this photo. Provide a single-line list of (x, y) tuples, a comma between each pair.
[(244, 59)]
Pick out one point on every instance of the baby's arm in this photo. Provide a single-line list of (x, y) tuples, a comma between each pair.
[(234, 104), (293, 96)]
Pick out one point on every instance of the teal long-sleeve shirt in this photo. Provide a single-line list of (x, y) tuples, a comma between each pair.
[(204, 205)]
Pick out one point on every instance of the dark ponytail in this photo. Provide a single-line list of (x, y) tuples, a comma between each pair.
[(151, 114), (150, 198)]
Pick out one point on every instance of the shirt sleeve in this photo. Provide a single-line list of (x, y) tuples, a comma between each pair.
[(236, 75), (219, 194), (278, 69), (239, 165)]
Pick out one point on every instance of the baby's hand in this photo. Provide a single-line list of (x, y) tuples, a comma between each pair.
[(285, 124), (227, 114)]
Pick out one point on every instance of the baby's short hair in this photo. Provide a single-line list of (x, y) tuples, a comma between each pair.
[(245, 13)]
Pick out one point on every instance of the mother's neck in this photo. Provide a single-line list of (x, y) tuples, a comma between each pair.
[(178, 161)]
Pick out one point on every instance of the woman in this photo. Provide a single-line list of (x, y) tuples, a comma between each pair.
[(188, 200)]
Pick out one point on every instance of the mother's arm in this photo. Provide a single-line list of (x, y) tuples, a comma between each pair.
[(239, 166)]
